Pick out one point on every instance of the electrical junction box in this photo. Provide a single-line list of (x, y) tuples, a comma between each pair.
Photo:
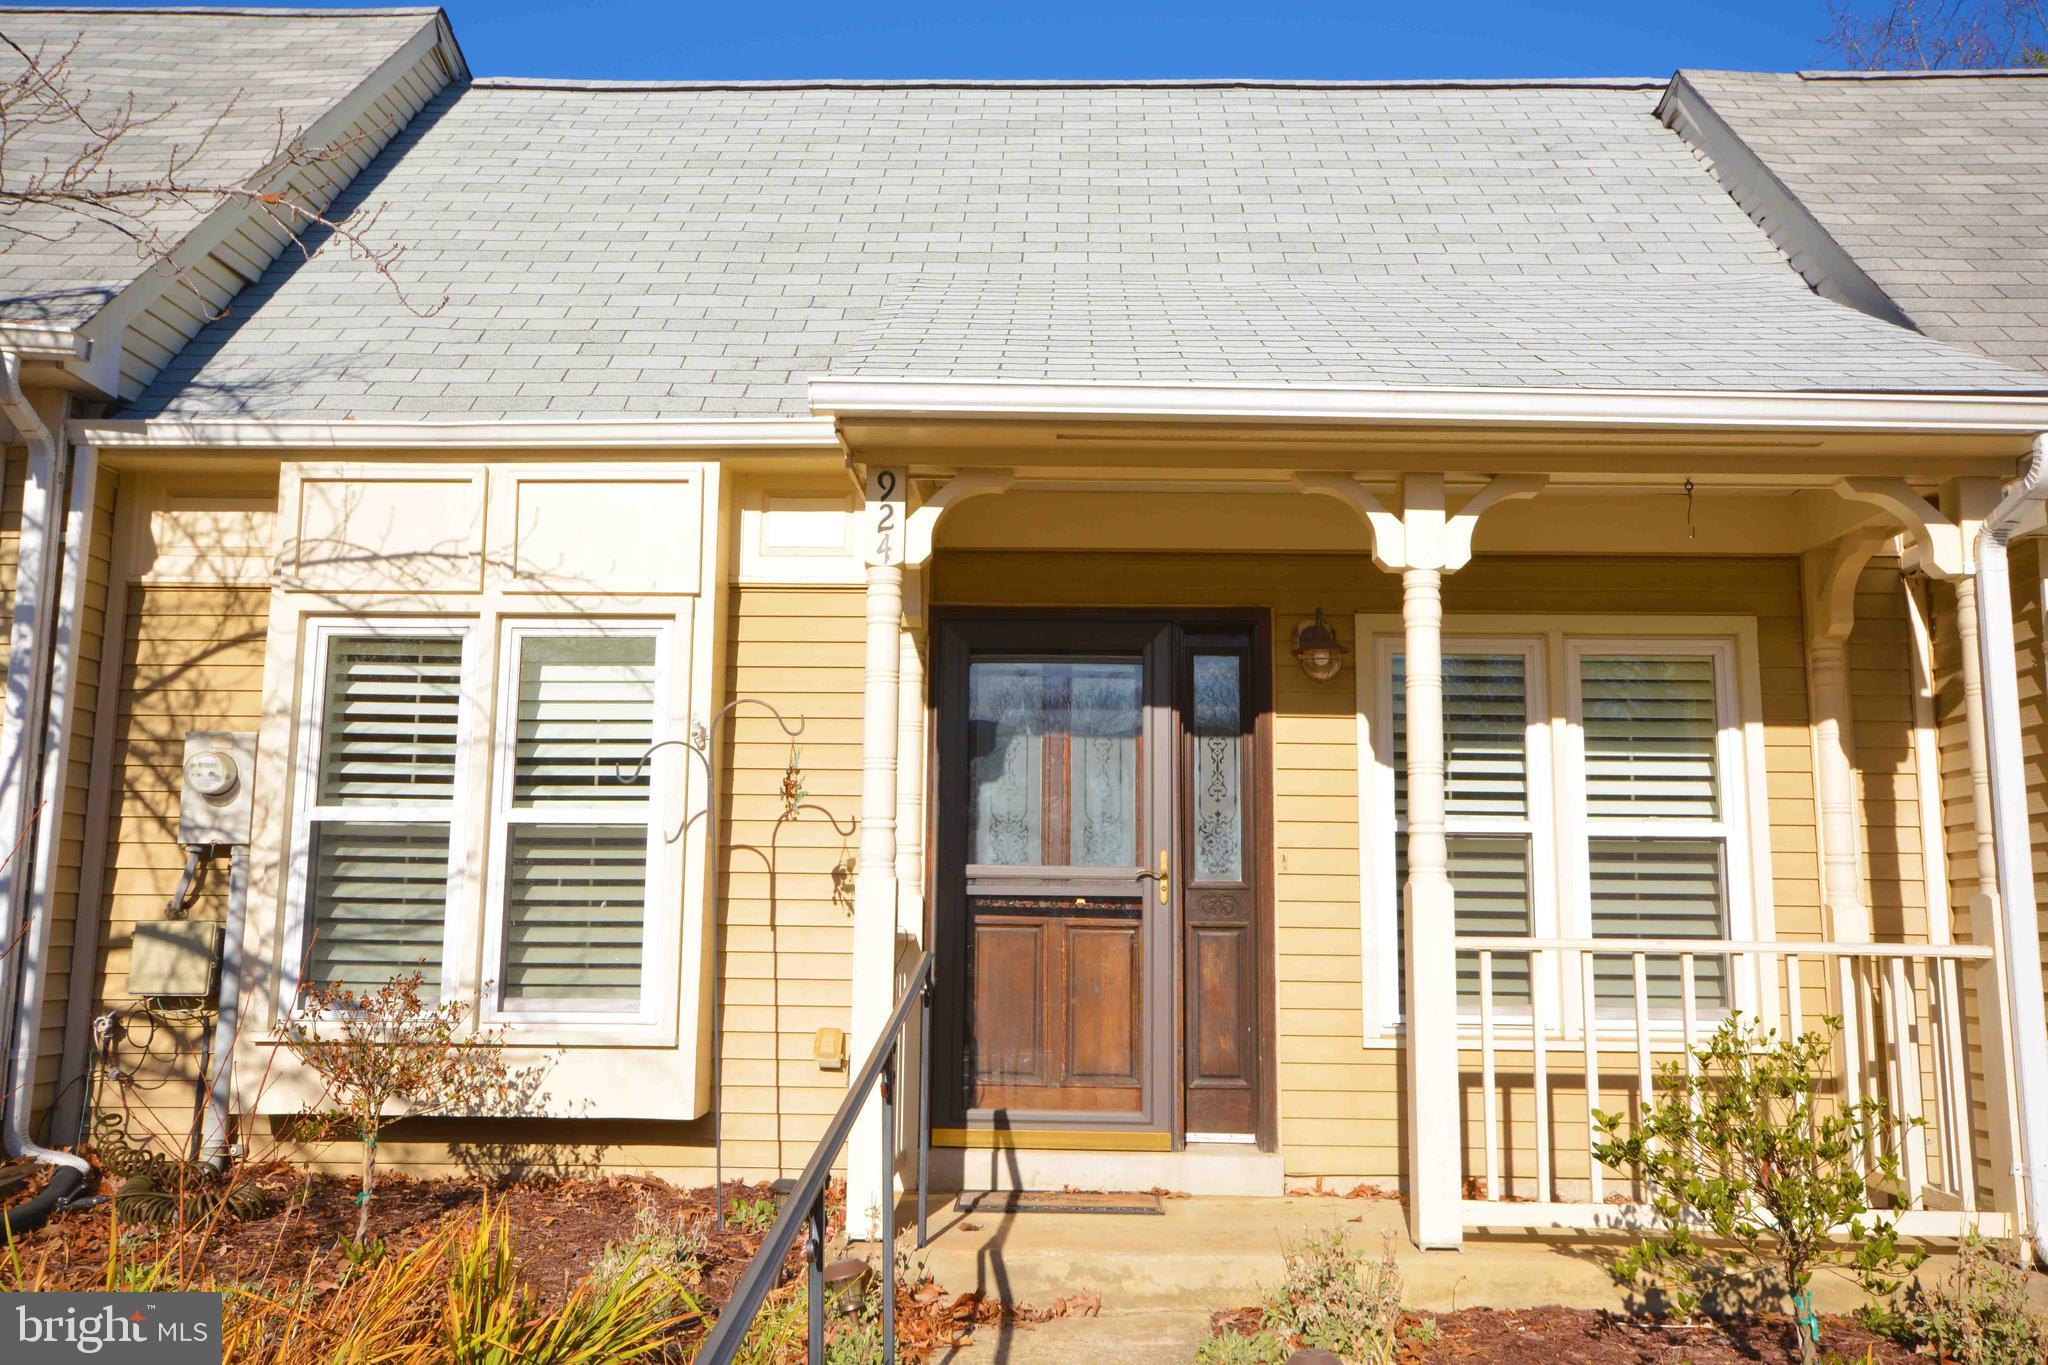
[(174, 957), (215, 805)]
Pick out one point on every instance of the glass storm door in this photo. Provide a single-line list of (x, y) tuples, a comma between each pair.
[(1054, 821), (1098, 908)]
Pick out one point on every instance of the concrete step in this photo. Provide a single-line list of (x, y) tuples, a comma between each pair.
[(1131, 1336)]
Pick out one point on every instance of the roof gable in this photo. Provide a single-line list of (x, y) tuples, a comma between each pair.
[(232, 81), (1923, 192)]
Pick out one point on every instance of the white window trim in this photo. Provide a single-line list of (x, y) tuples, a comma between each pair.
[(307, 811), (1383, 965), (662, 813), (1563, 906)]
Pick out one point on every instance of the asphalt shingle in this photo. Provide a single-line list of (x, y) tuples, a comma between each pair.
[(227, 80), (1937, 187), (653, 252)]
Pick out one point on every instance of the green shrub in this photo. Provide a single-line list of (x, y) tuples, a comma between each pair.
[(1332, 1300), (1978, 1313), (1232, 1348), (1751, 1163)]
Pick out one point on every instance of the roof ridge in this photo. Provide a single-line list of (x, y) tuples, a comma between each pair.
[(1183, 83), (237, 11), (1959, 73)]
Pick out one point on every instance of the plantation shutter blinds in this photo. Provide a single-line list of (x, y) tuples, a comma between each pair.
[(383, 808), (1654, 800), (1486, 807), (578, 825)]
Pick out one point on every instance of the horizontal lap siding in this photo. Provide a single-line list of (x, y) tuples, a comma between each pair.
[(192, 659), (787, 922), (71, 850), (1339, 1101), (1986, 1066)]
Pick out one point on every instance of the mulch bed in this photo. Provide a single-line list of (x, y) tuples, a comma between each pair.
[(1585, 1336), (560, 1227)]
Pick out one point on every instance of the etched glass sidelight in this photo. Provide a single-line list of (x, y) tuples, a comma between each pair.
[(1218, 781), (1053, 762)]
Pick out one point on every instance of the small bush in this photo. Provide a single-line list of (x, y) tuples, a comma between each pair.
[(669, 1247), (752, 1215), (1751, 1161), (1978, 1313), (1232, 1348), (1330, 1300)]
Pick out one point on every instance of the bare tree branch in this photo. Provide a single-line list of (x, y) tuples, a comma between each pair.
[(104, 177), (1939, 35)]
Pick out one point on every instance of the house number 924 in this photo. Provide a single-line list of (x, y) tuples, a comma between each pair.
[(885, 516)]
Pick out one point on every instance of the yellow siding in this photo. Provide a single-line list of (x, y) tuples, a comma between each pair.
[(1992, 1143), (77, 789), (192, 660), (1339, 1101)]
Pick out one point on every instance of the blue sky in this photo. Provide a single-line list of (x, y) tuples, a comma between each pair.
[(1362, 39)]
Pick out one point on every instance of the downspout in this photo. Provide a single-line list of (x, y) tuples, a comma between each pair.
[(2027, 1022), (23, 743)]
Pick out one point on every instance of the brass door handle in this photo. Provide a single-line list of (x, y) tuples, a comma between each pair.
[(1165, 878)]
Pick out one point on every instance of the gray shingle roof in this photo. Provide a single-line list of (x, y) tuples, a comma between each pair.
[(1752, 331), (186, 70), (1936, 186), (677, 252)]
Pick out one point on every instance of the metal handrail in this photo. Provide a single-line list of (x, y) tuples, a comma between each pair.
[(804, 1209)]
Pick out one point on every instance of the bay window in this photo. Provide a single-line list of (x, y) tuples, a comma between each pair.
[(562, 925)]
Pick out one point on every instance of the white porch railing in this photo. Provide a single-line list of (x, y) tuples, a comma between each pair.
[(1606, 1012)]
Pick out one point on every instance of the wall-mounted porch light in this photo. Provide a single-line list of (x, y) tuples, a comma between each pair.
[(1316, 649)]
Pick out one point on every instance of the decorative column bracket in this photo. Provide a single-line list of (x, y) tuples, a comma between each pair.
[(1421, 536), (924, 518), (1945, 550)]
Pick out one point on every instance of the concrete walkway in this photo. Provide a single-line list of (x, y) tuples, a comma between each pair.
[(1160, 1277)]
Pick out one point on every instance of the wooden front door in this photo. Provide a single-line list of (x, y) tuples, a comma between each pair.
[(1098, 906)]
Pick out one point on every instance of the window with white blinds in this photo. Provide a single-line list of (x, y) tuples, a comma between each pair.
[(575, 829), (377, 824), (1487, 808), (1653, 728)]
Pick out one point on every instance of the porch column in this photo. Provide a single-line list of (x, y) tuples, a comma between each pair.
[(1830, 577), (874, 892), (896, 542), (1422, 544), (1944, 540), (1435, 1140), (910, 756)]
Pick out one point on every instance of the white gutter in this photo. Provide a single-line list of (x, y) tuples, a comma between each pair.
[(23, 724), (2024, 413), (43, 341), (651, 434), (2027, 1019)]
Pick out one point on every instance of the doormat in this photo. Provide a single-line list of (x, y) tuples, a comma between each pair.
[(1056, 1201)]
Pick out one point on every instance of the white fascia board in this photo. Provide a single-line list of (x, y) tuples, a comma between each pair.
[(242, 433), (1444, 405), (43, 341), (332, 126)]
